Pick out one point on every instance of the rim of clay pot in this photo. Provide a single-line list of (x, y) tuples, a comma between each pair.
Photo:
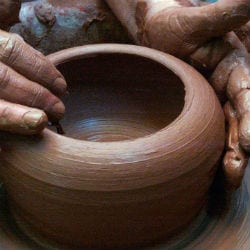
[(171, 63)]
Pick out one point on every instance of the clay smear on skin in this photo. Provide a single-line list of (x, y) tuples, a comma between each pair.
[(158, 5)]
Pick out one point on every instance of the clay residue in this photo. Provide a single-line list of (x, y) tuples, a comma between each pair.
[(77, 23), (235, 160), (140, 13), (45, 13), (93, 14), (186, 3)]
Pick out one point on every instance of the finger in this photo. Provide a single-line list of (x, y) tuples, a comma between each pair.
[(231, 79), (244, 133), (15, 53), (220, 77), (238, 91), (180, 31), (19, 119), (221, 17), (235, 160), (244, 35), (17, 89), (234, 165), (239, 80), (242, 105), (207, 57)]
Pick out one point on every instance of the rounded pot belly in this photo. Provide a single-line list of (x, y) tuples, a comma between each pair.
[(144, 135)]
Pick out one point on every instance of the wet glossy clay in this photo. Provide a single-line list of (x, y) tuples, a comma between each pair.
[(144, 134)]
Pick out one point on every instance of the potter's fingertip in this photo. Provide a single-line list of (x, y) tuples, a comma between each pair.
[(234, 168), (244, 139), (57, 111), (244, 132), (60, 86), (35, 120)]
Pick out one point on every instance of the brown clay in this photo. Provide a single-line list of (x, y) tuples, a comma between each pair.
[(175, 27), (235, 160), (45, 13), (147, 132), (53, 25)]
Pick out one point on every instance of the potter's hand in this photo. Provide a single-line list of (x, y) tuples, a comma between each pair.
[(231, 79), (198, 33), (180, 27), (235, 159), (29, 86)]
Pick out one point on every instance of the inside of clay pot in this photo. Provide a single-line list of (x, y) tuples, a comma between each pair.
[(115, 97)]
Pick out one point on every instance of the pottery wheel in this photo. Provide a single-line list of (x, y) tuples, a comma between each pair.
[(223, 226)]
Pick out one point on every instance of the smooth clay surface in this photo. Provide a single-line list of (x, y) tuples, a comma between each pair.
[(144, 134)]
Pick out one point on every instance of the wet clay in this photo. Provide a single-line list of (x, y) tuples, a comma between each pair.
[(45, 13), (144, 159), (235, 161), (51, 25)]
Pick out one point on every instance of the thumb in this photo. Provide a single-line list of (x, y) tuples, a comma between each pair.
[(219, 18), (180, 31)]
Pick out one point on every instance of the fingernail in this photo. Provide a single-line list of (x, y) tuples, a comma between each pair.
[(57, 111), (60, 86), (35, 120)]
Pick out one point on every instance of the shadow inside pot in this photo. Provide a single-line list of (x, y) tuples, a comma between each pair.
[(115, 97)]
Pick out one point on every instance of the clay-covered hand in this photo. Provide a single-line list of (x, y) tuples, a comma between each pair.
[(29, 87), (200, 33), (180, 27), (235, 159)]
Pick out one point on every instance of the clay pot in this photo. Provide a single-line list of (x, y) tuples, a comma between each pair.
[(144, 134)]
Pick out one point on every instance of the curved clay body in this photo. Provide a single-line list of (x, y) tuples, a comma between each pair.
[(150, 134)]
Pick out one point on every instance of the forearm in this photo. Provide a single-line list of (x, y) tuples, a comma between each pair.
[(125, 10), (132, 13)]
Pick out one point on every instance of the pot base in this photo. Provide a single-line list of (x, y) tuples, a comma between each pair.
[(211, 230)]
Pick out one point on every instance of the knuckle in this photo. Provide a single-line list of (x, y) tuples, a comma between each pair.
[(242, 102), (37, 68), (7, 43), (15, 48), (244, 134), (238, 81), (38, 93), (5, 47), (4, 113), (8, 46), (4, 77), (16, 37)]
